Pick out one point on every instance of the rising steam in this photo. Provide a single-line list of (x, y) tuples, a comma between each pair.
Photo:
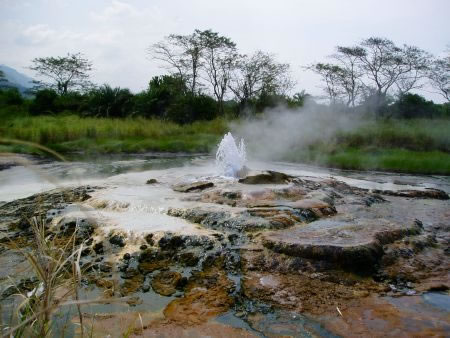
[(280, 131)]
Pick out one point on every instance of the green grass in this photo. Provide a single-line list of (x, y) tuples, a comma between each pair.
[(411, 146), (420, 146), (399, 160), (69, 133), (415, 134)]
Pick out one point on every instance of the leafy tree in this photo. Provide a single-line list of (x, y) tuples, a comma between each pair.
[(44, 102), (298, 99), (11, 96), (72, 101), (189, 108), (162, 92), (63, 73), (110, 102), (413, 106)]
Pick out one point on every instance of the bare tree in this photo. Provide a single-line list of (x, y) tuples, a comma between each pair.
[(257, 74), (332, 77), (173, 59), (220, 58), (64, 73), (416, 65), (439, 75), (385, 64), (181, 54), (349, 74)]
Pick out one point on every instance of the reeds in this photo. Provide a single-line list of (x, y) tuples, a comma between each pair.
[(58, 272)]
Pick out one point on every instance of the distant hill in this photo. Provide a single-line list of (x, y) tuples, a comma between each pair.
[(16, 79)]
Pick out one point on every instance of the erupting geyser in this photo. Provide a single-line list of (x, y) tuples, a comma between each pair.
[(230, 158)]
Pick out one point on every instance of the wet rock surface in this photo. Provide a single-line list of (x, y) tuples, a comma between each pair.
[(427, 193), (356, 245), (265, 177), (194, 186), (166, 282), (281, 255), (207, 295)]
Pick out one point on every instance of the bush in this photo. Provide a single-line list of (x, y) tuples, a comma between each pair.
[(190, 108), (163, 91), (110, 102), (413, 106), (72, 101), (11, 96), (44, 102)]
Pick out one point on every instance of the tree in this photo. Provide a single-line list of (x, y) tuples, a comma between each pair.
[(44, 102), (162, 92), (64, 73), (189, 108), (10, 96), (220, 57), (416, 63), (298, 99), (376, 63), (413, 106), (332, 77), (384, 64), (257, 74), (349, 74), (439, 75), (182, 55), (110, 102)]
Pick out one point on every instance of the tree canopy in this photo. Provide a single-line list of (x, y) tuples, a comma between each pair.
[(63, 73), (377, 66)]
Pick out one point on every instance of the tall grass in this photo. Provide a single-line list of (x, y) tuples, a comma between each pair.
[(58, 272), (73, 133), (415, 134), (410, 146), (416, 145)]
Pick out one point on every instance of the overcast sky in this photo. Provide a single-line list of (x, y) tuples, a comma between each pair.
[(115, 34)]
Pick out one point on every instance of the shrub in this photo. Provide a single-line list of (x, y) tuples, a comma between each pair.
[(413, 106), (163, 91), (190, 108), (72, 101), (110, 102), (44, 102), (11, 96)]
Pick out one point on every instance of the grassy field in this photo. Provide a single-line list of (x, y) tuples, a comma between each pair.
[(100, 135), (410, 146)]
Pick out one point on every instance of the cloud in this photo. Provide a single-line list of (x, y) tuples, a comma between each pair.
[(117, 10), (107, 37), (37, 34)]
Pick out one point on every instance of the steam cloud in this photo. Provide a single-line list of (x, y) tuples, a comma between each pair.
[(279, 131)]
